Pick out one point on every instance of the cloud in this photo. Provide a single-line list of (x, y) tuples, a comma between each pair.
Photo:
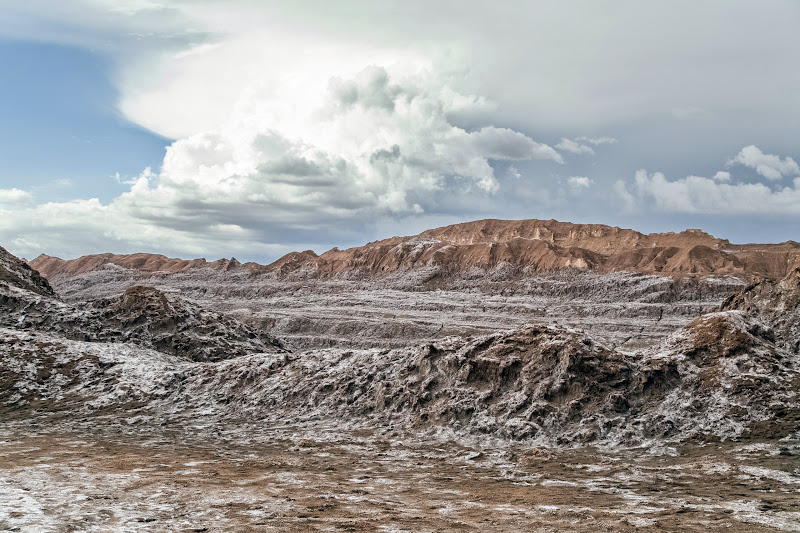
[(628, 200), (283, 135), (579, 182), (279, 170), (571, 146), (15, 196), (505, 144), (722, 176), (170, 54), (598, 140), (770, 166), (70, 229), (696, 194)]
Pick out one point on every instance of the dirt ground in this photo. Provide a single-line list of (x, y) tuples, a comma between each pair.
[(98, 476)]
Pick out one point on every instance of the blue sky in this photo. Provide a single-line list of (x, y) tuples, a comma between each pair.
[(253, 128), (61, 131)]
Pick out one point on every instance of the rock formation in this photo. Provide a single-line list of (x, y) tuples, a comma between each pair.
[(776, 304), (526, 245), (147, 317), (141, 315), (16, 273)]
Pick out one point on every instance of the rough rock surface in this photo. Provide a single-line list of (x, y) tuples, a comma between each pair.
[(16, 273), (147, 317), (483, 430), (718, 379), (141, 315), (530, 246), (777, 304)]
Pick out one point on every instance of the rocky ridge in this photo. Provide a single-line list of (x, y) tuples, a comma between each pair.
[(525, 246), (142, 316), (775, 303)]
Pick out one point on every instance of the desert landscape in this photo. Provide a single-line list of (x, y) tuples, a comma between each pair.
[(493, 375), (399, 266)]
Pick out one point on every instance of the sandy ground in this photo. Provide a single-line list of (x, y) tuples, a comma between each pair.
[(98, 475)]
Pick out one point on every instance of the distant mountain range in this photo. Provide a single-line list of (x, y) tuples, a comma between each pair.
[(528, 245)]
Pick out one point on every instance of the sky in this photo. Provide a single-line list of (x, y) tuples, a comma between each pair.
[(213, 129)]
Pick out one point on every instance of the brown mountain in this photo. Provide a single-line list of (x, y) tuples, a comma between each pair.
[(51, 266), (538, 245)]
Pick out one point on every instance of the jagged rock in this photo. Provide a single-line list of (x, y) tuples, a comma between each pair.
[(777, 304), (148, 317), (720, 377), (717, 379), (534, 382), (727, 375), (17, 273)]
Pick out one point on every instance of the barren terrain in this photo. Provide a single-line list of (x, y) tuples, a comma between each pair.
[(238, 476), (145, 393)]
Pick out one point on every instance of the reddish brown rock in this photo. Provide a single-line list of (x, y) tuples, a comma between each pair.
[(535, 245)]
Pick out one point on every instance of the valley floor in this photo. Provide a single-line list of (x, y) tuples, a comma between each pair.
[(99, 476)]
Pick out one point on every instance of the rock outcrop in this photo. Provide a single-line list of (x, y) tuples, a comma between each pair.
[(141, 315), (775, 303), (17, 273), (147, 317), (720, 378)]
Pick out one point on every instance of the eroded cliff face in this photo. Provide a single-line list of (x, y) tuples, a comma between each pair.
[(526, 246)]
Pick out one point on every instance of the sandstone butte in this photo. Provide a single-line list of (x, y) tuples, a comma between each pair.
[(539, 245)]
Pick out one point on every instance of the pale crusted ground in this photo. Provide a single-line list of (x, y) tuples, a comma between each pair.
[(84, 477)]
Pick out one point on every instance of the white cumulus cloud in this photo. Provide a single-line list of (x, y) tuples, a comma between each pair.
[(15, 196), (286, 166), (722, 176), (569, 145), (770, 166), (697, 194), (579, 182)]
